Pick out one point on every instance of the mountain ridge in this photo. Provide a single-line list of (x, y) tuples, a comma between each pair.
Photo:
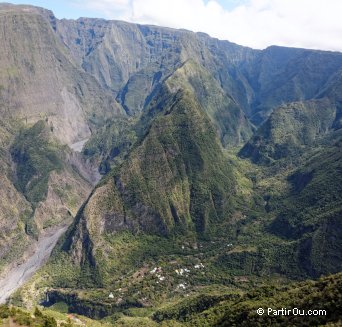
[(221, 164)]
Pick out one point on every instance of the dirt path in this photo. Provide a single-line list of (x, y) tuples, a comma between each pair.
[(20, 274)]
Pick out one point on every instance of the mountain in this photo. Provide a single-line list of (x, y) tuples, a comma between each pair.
[(110, 144), (100, 58), (230, 121), (179, 150), (46, 101), (175, 189), (300, 144), (40, 80), (13, 204), (311, 211), (283, 75), (133, 60), (220, 169), (41, 190), (291, 129), (176, 181)]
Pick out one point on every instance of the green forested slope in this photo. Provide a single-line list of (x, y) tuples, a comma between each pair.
[(324, 294), (178, 215)]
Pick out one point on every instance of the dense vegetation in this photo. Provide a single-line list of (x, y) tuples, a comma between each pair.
[(309, 303), (41, 162), (23, 318), (221, 174), (324, 295), (36, 157), (179, 197)]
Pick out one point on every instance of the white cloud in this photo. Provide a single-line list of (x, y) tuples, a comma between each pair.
[(115, 9), (255, 23)]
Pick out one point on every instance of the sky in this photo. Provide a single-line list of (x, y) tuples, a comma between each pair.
[(314, 24)]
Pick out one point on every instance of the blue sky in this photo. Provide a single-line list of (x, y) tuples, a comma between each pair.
[(61, 8), (314, 24), (70, 9)]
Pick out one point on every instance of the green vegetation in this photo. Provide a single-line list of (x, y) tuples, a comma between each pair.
[(231, 123), (181, 150), (179, 200), (36, 156), (290, 129), (27, 319), (299, 154), (310, 212), (227, 309), (110, 144), (184, 228), (324, 294), (42, 165)]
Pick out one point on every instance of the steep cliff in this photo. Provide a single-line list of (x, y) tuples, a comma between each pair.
[(178, 213), (38, 78), (133, 60), (40, 189), (291, 130)]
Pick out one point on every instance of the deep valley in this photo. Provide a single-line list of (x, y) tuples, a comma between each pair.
[(159, 177)]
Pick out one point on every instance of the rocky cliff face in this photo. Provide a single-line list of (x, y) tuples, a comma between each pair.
[(83, 61), (46, 100), (13, 205), (133, 60), (176, 180), (282, 75), (165, 110), (176, 185), (291, 129), (232, 125), (38, 79), (40, 190)]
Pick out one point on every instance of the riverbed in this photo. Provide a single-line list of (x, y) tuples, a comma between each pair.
[(18, 275)]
